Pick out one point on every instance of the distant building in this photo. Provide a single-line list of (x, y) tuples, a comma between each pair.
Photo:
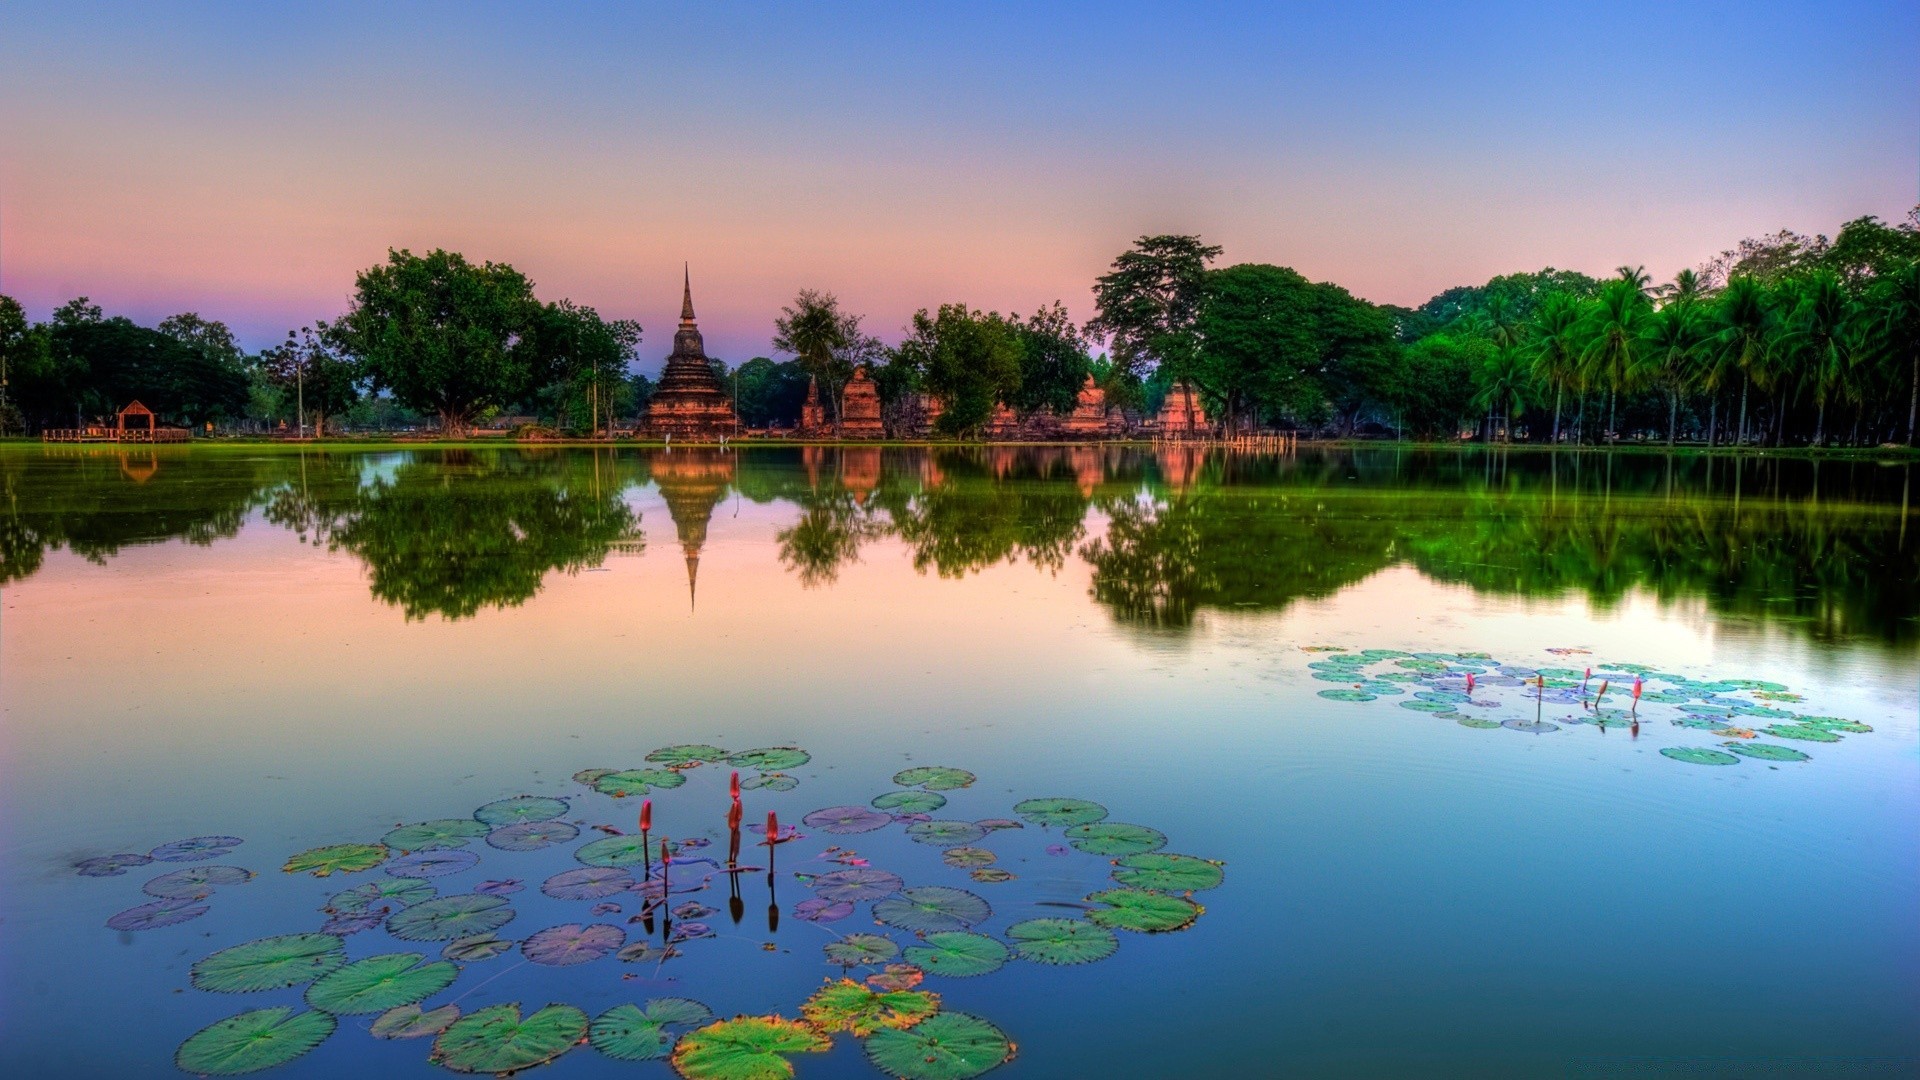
[(689, 405)]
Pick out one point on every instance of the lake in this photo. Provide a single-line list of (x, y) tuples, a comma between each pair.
[(1349, 689)]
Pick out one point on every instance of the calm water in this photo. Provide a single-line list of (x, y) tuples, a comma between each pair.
[(310, 649)]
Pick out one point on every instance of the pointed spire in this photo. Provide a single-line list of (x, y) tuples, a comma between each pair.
[(693, 572), (686, 298)]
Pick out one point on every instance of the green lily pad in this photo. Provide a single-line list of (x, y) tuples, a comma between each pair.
[(475, 947), (1340, 675), (1751, 684), (1835, 723), (343, 858), (269, 963), (251, 1041), (770, 782), (497, 1040), (590, 776), (1699, 755), (1383, 654), (630, 782), (1802, 732), (1114, 838), (1142, 911), (1428, 706), (934, 778), (856, 950), (932, 908), (1768, 751), (1163, 872), (618, 851), (945, 833), (629, 1033), (408, 1022), (910, 802), (771, 758), (434, 835), (393, 893), (1348, 695), (379, 983), (861, 1010), (1059, 812), (520, 809), (968, 858), (1477, 722), (959, 954), (449, 917), (687, 754), (1061, 941), (746, 1048)]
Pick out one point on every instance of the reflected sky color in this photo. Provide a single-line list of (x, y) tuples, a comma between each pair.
[(246, 161)]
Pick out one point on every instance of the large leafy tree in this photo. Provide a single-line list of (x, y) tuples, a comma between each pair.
[(314, 373), (970, 359), (1893, 331), (590, 358), (446, 336), (1149, 304), (1053, 361), (1259, 341)]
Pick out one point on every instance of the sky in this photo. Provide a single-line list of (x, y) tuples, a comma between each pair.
[(246, 160)]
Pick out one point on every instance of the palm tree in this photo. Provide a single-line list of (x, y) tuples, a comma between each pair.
[(1613, 355), (1676, 338), (1894, 328), (1505, 381), (1555, 346), (812, 330), (1746, 332), (1815, 338)]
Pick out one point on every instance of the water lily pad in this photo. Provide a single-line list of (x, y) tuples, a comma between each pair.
[(195, 881), (855, 950), (632, 782), (391, 893), (379, 983), (630, 1033), (992, 824), (590, 776), (859, 883), (499, 888), (1427, 706), (934, 778), (990, 875), (770, 782), (565, 946), (861, 1010), (1114, 838), (910, 802), (1451, 697), (1055, 812), (967, 858), (427, 864), (475, 947), (1802, 732), (408, 1022), (341, 858), (687, 754), (532, 835), (195, 849), (1835, 723), (434, 835), (1348, 695), (820, 909), (618, 851), (1165, 872), (1476, 722), (1768, 752), (450, 917), (746, 1048), (269, 963), (770, 758), (588, 883), (932, 908), (157, 914), (251, 1041), (109, 865), (1699, 755), (846, 820), (353, 924), (1061, 941), (1142, 911), (1531, 727), (959, 954), (498, 1040), (945, 833), (519, 810)]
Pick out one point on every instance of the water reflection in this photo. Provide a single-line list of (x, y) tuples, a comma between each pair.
[(1164, 533)]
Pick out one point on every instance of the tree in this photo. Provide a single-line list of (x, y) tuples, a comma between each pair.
[(21, 346), (1745, 336), (1149, 301), (814, 330), (1433, 389), (210, 336), (971, 359), (1893, 322), (445, 336), (1503, 383), (1816, 338), (1554, 345), (771, 393), (1677, 336), (319, 376), (1053, 362), (1612, 356), (591, 358), (1258, 340)]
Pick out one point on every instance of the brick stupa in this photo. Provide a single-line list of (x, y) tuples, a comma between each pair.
[(813, 418), (1089, 418), (690, 405), (1182, 415), (860, 408)]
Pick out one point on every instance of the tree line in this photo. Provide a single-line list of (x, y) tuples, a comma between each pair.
[(1786, 339)]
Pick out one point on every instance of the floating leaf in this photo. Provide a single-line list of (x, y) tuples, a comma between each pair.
[(450, 917), (434, 835), (995, 823), (848, 1006), (1451, 697), (269, 963), (590, 777), (1060, 812), (771, 758), (251, 1041), (426, 864), (949, 1046), (196, 848), (1768, 752), (687, 754), (195, 881), (344, 858), (628, 1033), (637, 782), (689, 930), (860, 883), (959, 954), (353, 924), (910, 802), (1802, 732), (1168, 873), (932, 908), (855, 950), (1143, 912), (618, 851), (1114, 838), (379, 983), (109, 865), (392, 893), (1531, 727), (532, 835), (770, 782), (945, 833), (1427, 706), (475, 947), (745, 1048), (499, 888), (1477, 722), (990, 875), (820, 909), (520, 810), (157, 914), (1835, 723), (1348, 695), (897, 977), (934, 778), (966, 858), (692, 909), (1699, 755), (846, 820), (565, 946), (1061, 941), (497, 1040), (408, 1022)]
